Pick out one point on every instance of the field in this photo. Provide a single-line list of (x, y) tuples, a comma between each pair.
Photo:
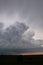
[(22, 59)]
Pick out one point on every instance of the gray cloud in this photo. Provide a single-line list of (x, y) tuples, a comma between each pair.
[(28, 11), (14, 37)]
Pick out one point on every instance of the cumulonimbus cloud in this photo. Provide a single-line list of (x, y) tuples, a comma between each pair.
[(13, 37)]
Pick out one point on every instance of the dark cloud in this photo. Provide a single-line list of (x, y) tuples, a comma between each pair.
[(12, 35), (14, 38), (28, 11)]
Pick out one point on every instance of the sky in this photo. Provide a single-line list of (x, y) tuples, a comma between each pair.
[(25, 19), (27, 11)]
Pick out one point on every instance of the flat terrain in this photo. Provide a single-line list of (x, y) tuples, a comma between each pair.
[(22, 59), (32, 53)]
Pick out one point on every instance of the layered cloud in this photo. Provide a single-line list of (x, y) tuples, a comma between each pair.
[(16, 36)]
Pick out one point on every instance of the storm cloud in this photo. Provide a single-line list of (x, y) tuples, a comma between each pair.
[(28, 11), (15, 36), (21, 24)]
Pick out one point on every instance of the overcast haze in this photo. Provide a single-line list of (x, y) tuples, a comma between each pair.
[(29, 11), (23, 23)]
